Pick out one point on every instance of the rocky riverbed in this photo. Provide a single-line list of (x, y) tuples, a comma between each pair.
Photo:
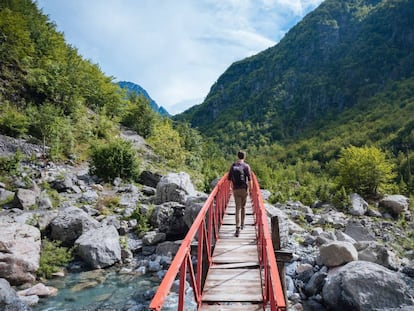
[(354, 259)]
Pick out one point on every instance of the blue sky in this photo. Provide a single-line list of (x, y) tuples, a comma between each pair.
[(176, 49)]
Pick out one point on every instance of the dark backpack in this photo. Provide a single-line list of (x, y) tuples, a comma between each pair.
[(239, 177)]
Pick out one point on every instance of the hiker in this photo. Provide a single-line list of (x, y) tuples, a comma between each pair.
[(239, 174)]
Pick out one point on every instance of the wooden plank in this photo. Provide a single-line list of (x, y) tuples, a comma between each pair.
[(233, 285), (253, 264), (236, 306)]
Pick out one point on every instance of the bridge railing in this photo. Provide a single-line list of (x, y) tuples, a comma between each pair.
[(273, 294), (205, 230)]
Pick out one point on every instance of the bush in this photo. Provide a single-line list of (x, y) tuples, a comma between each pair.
[(52, 258), (114, 159), (12, 121), (364, 170), (11, 165)]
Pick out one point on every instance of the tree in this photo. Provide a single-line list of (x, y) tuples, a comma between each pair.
[(167, 143), (364, 169)]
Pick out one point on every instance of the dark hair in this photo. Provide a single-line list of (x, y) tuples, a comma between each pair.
[(241, 155)]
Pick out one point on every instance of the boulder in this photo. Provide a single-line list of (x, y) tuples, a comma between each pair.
[(5, 195), (63, 183), (153, 238), (396, 204), (149, 179), (169, 218), (25, 199), (100, 247), (358, 232), (362, 285), (358, 205), (40, 290), (374, 252), (174, 187), (337, 253), (193, 205), (19, 252), (9, 301), (70, 224), (167, 248)]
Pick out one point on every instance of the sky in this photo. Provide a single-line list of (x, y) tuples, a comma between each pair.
[(175, 49)]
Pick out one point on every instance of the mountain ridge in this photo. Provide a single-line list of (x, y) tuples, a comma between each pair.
[(139, 90), (339, 54)]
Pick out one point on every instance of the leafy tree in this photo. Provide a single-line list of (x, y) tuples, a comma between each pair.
[(364, 170), (167, 143), (55, 129), (138, 115), (12, 121), (114, 159)]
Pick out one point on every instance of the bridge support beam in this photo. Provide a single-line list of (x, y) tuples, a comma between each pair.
[(281, 256)]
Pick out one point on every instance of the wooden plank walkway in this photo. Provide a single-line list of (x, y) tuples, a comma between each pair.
[(233, 281)]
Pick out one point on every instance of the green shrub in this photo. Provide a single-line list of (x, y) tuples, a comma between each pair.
[(143, 219), (114, 159), (12, 121), (52, 258), (11, 165), (364, 170)]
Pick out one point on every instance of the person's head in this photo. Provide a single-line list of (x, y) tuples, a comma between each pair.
[(241, 155)]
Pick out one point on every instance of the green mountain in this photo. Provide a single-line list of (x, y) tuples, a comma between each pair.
[(344, 59)]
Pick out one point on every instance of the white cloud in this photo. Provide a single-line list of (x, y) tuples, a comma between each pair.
[(174, 49)]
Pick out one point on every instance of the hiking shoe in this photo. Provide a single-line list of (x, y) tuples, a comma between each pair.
[(237, 232)]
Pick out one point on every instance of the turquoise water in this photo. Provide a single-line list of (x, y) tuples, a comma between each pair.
[(100, 290), (108, 290)]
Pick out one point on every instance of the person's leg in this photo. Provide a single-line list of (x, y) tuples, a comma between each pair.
[(243, 196), (238, 199)]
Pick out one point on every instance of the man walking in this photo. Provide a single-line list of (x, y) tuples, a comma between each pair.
[(239, 174)]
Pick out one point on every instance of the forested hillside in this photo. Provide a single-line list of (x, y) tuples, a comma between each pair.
[(343, 76), (51, 95)]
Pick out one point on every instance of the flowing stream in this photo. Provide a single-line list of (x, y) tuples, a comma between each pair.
[(100, 290)]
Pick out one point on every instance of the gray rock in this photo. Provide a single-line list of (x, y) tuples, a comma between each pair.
[(396, 204), (374, 252), (19, 252), (70, 224), (358, 205), (89, 197), (362, 285), (149, 179), (174, 187), (169, 218), (337, 253), (341, 236), (167, 248), (63, 183), (44, 201), (9, 301), (315, 283), (6, 195), (25, 199), (193, 205), (409, 269), (358, 232), (326, 237), (153, 238), (100, 247)]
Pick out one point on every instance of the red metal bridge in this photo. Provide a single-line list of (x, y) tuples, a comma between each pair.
[(231, 273)]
